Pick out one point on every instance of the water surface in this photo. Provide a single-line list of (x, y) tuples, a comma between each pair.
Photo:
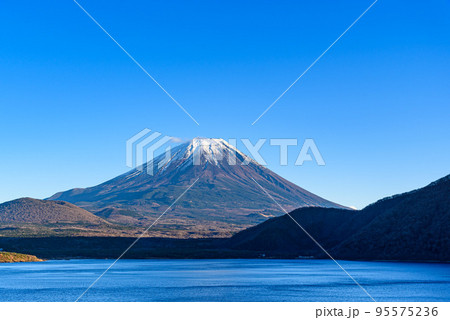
[(224, 280)]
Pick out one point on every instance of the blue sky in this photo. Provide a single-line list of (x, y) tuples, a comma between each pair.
[(377, 104)]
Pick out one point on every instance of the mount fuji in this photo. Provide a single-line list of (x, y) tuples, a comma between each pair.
[(225, 198)]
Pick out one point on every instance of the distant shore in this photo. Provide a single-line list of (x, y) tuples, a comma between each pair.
[(9, 257), (65, 248)]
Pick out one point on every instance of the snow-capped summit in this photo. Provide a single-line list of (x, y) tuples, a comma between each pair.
[(198, 152), (211, 150), (214, 151)]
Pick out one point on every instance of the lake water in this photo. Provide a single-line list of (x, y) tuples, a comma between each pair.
[(224, 280)]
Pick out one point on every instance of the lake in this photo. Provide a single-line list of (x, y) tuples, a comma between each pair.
[(224, 280)]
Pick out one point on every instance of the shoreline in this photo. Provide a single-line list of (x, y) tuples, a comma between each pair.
[(14, 257), (69, 248), (288, 259)]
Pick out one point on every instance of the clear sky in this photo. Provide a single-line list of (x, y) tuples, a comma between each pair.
[(377, 104)]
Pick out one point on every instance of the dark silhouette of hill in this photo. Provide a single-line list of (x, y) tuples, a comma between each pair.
[(280, 236), (409, 226)]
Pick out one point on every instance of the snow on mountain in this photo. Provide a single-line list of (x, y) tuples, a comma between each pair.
[(198, 151)]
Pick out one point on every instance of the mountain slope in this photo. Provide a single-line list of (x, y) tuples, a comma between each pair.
[(409, 226), (31, 217), (225, 199), (281, 236), (414, 225), (28, 210)]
